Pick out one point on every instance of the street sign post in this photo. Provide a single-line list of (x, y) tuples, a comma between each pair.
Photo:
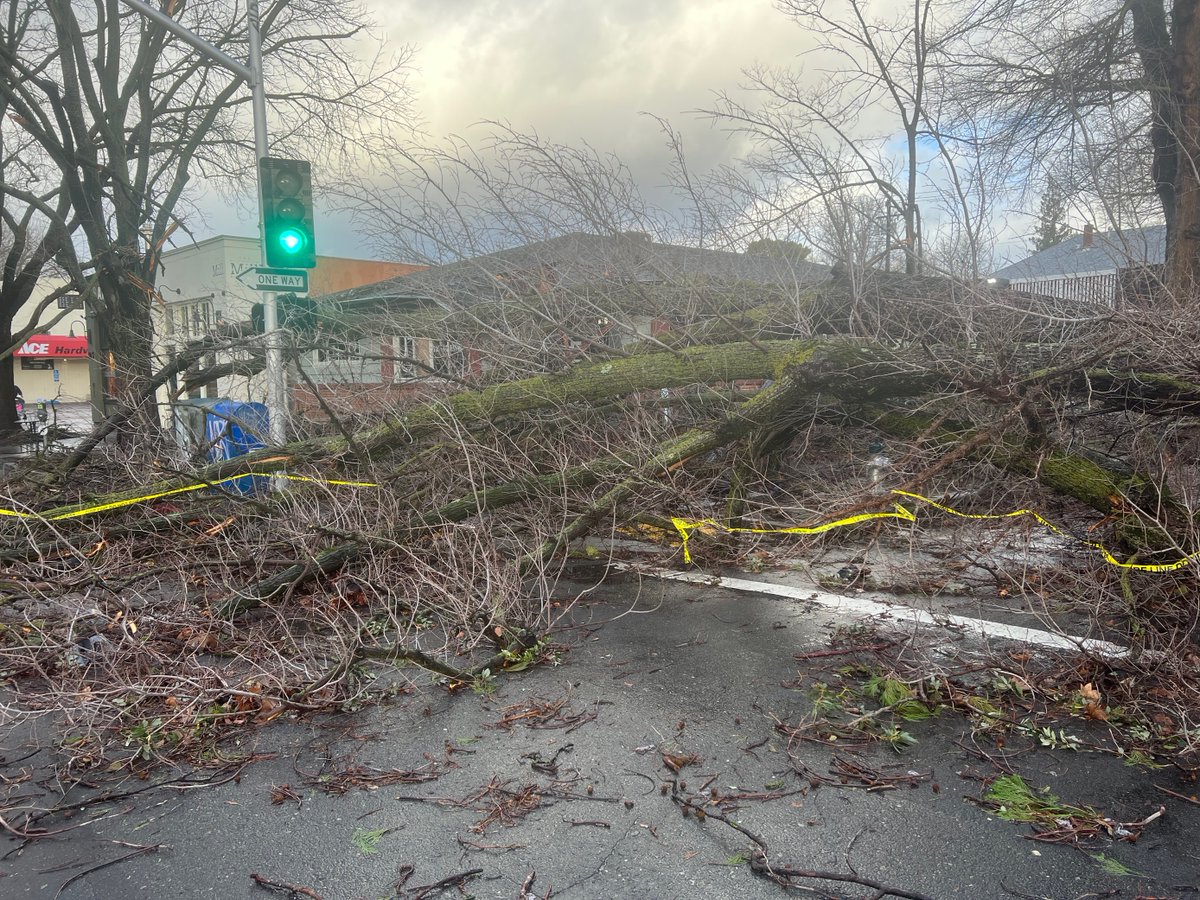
[(284, 281)]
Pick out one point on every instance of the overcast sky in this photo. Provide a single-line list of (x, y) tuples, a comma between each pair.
[(576, 70), (585, 69)]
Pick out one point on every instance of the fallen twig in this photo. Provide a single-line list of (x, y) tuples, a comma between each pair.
[(292, 890), (761, 865), (471, 845), (598, 823), (418, 893), (841, 651), (39, 833), (501, 804), (367, 778), (527, 889), (1177, 796), (149, 848), (847, 770)]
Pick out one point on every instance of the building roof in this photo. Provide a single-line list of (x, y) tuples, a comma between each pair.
[(1110, 251), (578, 260)]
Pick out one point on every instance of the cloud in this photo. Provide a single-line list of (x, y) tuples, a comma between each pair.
[(577, 71), (584, 71)]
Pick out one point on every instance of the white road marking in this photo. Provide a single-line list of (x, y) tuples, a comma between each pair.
[(861, 606)]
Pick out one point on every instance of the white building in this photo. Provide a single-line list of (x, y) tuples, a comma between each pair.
[(201, 292)]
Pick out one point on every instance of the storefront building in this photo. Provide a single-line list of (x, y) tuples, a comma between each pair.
[(53, 367)]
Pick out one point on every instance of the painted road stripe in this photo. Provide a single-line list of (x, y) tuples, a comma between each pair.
[(861, 606)]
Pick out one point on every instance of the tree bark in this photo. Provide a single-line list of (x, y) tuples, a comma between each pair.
[(851, 372), (1170, 57), (1065, 473), (771, 404), (1183, 251)]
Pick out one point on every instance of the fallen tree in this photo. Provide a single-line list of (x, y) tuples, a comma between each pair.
[(479, 497)]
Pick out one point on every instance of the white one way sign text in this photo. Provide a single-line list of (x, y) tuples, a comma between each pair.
[(262, 278)]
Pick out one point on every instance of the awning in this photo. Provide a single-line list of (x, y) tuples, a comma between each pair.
[(53, 345)]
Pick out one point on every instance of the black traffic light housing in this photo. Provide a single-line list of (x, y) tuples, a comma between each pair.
[(287, 210), (296, 313)]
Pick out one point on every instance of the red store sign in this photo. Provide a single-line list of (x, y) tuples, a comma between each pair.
[(53, 345)]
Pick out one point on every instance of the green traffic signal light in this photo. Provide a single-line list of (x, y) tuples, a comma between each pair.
[(287, 208), (291, 240)]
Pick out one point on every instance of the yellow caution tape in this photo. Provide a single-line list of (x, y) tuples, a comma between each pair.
[(132, 501), (1172, 566), (685, 529), (683, 526)]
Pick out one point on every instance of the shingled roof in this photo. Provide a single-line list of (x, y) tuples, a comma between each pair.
[(578, 260), (1109, 251)]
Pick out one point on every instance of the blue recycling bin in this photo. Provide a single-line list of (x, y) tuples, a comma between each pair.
[(233, 428)]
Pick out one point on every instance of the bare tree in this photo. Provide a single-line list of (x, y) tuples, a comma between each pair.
[(130, 118), (844, 131), (35, 223), (1101, 97)]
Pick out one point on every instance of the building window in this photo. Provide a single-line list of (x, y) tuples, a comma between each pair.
[(339, 350), (406, 357), (610, 334), (191, 319), (447, 358)]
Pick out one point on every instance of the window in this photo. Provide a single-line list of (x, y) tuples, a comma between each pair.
[(339, 350), (406, 354), (447, 358), (190, 319), (610, 334), (345, 360)]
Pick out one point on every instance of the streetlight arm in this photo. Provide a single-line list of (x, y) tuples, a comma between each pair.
[(195, 40)]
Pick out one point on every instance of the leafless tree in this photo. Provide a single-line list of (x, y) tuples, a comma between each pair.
[(34, 215), (842, 136), (130, 118), (1099, 96)]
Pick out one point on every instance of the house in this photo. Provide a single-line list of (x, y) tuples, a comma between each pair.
[(201, 294), (555, 299), (1110, 268)]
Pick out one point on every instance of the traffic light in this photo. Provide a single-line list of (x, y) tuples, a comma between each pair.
[(296, 313), (287, 210)]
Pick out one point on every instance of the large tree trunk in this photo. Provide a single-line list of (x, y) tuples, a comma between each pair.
[(8, 391), (847, 371), (130, 338), (1183, 255), (1170, 57), (1153, 43)]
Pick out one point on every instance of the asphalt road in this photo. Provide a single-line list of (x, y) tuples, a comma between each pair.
[(652, 668)]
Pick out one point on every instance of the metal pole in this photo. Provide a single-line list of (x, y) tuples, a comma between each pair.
[(253, 74), (214, 53), (277, 400)]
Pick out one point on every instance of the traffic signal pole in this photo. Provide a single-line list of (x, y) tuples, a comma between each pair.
[(277, 399), (252, 72)]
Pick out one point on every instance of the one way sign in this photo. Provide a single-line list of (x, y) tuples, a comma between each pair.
[(261, 278)]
